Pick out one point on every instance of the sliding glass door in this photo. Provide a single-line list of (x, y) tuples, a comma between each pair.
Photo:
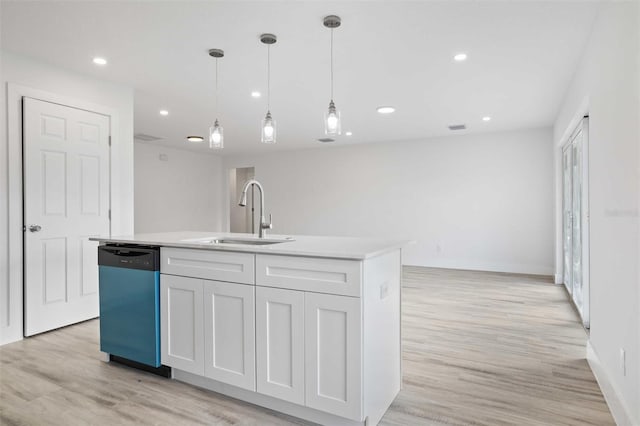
[(567, 225), (576, 219)]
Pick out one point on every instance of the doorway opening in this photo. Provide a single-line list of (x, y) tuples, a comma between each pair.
[(575, 218), (241, 219)]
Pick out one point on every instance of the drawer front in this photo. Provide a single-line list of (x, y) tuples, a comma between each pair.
[(331, 276), (208, 264)]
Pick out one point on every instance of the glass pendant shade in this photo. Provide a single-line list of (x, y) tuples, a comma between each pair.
[(216, 136), (332, 121), (268, 129)]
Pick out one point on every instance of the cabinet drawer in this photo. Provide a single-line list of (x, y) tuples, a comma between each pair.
[(208, 264), (332, 276)]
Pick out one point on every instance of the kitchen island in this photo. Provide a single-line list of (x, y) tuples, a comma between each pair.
[(308, 326)]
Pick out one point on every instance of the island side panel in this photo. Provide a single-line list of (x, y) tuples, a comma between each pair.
[(381, 323)]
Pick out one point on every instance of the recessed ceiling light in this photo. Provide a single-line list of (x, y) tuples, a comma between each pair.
[(349, 133), (385, 109), (255, 94), (486, 118), (460, 57), (195, 138), (164, 112), (99, 61)]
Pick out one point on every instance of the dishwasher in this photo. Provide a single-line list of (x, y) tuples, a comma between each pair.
[(130, 305)]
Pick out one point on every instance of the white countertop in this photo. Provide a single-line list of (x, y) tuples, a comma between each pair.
[(301, 245)]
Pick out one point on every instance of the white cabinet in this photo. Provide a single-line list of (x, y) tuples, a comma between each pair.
[(333, 342), (316, 338), (280, 343), (229, 334), (181, 323)]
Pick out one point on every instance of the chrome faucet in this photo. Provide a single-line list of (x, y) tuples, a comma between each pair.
[(243, 202)]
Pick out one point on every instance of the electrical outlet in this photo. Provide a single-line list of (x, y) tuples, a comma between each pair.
[(163, 157), (438, 248), (623, 362)]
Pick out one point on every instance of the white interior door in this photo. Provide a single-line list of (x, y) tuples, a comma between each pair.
[(66, 201)]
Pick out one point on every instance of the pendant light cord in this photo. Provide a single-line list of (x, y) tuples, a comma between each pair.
[(268, 77), (217, 88), (332, 64)]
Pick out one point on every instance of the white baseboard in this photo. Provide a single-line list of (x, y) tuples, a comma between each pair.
[(557, 279), (472, 265), (616, 405)]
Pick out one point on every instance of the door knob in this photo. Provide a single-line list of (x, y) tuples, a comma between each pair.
[(35, 228)]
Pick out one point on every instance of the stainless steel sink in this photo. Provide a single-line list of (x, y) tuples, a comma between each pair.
[(248, 242), (239, 241)]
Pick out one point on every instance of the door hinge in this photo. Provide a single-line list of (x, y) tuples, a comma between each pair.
[(109, 214), (109, 140)]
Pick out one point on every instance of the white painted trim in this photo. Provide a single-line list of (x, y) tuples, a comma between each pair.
[(15, 92), (621, 413), (557, 279), (266, 401), (471, 265)]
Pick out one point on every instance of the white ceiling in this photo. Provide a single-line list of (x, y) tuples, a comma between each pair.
[(521, 58)]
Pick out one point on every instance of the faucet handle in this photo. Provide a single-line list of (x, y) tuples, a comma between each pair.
[(270, 224)]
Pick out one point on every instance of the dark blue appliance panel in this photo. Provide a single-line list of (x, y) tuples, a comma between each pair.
[(130, 314)]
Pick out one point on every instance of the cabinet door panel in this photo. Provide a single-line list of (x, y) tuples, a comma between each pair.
[(333, 354), (229, 340), (280, 343), (181, 340)]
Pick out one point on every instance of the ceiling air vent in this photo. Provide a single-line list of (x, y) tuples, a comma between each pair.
[(325, 140), (457, 127), (145, 137)]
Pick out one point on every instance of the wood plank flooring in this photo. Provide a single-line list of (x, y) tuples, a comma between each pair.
[(479, 349)]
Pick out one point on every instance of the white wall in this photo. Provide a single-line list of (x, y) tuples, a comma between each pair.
[(180, 193), (29, 77), (606, 85), (473, 202)]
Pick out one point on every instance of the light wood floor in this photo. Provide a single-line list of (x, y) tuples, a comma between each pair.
[(479, 349)]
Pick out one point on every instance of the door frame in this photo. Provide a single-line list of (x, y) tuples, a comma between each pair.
[(14, 326)]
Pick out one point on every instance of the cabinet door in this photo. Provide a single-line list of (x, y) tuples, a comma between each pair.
[(280, 343), (181, 331), (333, 354), (229, 333)]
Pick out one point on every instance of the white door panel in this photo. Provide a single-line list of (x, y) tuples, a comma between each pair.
[(182, 323), (66, 195), (280, 343), (333, 342), (229, 333)]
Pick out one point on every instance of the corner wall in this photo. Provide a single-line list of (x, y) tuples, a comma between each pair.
[(176, 190), (607, 87), (42, 78), (479, 202)]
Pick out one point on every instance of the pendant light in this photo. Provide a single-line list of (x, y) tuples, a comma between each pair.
[(268, 123), (216, 132), (332, 116)]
